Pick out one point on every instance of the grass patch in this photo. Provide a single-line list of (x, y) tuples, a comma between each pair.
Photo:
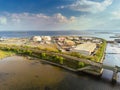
[(4, 54)]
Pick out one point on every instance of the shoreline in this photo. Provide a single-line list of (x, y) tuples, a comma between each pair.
[(65, 67), (67, 61)]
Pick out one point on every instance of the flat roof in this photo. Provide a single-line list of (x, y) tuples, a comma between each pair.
[(88, 46)]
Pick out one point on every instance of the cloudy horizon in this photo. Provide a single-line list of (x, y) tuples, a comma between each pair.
[(59, 15)]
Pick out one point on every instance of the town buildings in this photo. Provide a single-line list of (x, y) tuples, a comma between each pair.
[(36, 39), (82, 45)]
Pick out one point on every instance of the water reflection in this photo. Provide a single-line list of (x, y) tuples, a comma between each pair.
[(18, 72), (112, 59)]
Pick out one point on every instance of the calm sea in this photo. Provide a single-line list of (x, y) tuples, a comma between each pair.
[(50, 33)]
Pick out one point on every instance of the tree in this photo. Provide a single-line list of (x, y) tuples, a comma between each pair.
[(43, 55), (61, 59), (81, 64)]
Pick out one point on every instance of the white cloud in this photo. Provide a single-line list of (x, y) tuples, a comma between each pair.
[(40, 21), (59, 18), (88, 6), (94, 22), (61, 7), (3, 20), (116, 14), (35, 21), (41, 16), (72, 18)]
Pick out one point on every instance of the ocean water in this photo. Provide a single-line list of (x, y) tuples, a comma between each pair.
[(10, 34)]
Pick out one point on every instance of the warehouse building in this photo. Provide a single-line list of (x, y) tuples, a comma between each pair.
[(85, 48)]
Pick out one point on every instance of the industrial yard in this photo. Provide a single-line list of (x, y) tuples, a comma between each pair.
[(83, 45)]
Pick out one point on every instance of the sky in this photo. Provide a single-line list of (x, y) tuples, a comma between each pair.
[(21, 15)]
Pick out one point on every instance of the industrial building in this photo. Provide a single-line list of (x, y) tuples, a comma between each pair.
[(86, 48)]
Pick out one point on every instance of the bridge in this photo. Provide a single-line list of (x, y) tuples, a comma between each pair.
[(115, 70), (110, 42), (112, 53)]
